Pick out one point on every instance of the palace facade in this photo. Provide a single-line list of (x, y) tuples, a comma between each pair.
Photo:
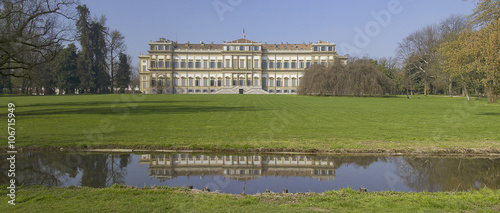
[(240, 66)]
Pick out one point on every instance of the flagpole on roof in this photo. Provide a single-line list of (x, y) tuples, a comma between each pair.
[(244, 36)]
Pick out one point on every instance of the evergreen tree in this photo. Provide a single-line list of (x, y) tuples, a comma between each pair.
[(91, 64), (84, 62), (65, 70), (99, 50), (123, 72)]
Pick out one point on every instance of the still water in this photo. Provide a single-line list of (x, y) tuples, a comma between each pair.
[(256, 173)]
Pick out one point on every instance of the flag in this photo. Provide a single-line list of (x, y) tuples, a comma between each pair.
[(244, 36)]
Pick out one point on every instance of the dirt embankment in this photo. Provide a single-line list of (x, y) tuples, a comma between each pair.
[(145, 149)]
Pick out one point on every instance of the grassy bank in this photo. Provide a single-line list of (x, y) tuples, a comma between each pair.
[(122, 199), (254, 121)]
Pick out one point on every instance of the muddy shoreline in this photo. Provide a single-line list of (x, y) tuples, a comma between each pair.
[(491, 151)]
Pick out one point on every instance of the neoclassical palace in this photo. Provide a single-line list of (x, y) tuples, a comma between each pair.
[(240, 66)]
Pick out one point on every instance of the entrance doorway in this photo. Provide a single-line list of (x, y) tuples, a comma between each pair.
[(241, 91)]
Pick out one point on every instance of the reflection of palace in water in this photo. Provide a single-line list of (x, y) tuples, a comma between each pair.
[(236, 167)]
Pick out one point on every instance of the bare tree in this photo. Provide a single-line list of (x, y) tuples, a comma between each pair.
[(31, 32), (116, 45)]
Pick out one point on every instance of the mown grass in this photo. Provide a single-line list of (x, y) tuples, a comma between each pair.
[(254, 121), (164, 199)]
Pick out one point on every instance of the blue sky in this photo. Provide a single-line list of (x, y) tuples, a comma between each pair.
[(352, 25)]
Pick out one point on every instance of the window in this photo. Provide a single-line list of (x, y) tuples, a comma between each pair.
[(242, 48), (315, 48), (330, 48), (249, 83), (176, 64), (167, 81), (242, 82), (256, 48), (271, 64), (219, 83), (271, 82), (234, 82), (153, 63), (264, 65), (227, 81), (249, 64), (144, 78), (176, 82), (227, 63), (212, 82), (183, 82), (286, 82), (160, 82), (256, 82), (256, 64), (197, 64), (219, 64), (183, 64), (234, 47), (278, 83), (197, 82), (152, 47), (308, 64), (205, 64), (205, 82), (144, 68), (161, 47), (294, 64), (264, 82), (278, 65), (190, 64), (301, 64), (161, 63), (242, 64), (235, 64), (167, 64), (167, 47), (153, 83), (190, 82), (323, 48), (293, 82), (212, 64), (144, 85), (285, 65)]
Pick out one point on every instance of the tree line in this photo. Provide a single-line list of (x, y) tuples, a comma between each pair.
[(357, 78), (39, 53), (459, 55)]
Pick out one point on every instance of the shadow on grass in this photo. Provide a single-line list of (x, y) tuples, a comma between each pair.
[(142, 110), (490, 113), (118, 101)]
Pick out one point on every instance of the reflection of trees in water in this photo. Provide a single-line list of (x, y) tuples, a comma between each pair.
[(53, 169), (39, 168), (358, 161), (448, 174)]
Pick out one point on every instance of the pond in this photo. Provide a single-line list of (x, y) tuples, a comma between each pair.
[(256, 173)]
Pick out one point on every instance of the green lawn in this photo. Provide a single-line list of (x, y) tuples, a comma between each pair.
[(244, 122), (118, 199)]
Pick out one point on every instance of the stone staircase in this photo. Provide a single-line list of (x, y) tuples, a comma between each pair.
[(236, 90)]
